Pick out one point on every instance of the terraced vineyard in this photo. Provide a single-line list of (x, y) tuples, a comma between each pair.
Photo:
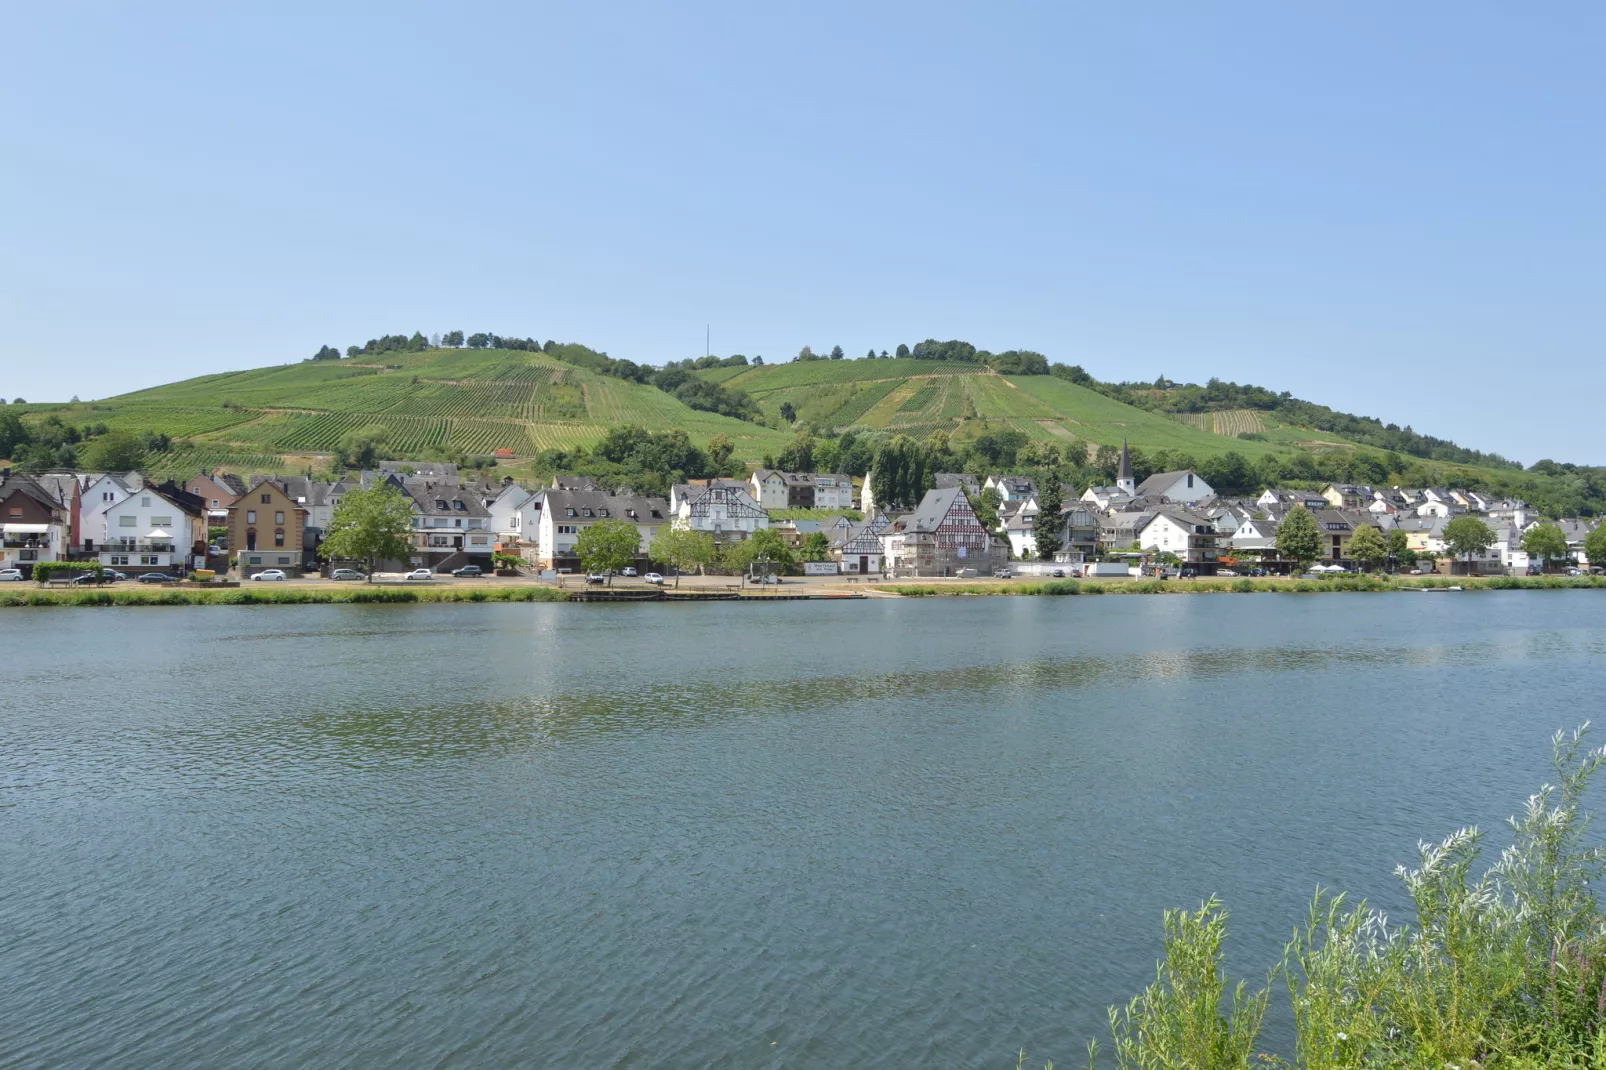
[(919, 397), (476, 401)]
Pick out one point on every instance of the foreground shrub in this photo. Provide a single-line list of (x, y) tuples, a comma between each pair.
[(1506, 968)]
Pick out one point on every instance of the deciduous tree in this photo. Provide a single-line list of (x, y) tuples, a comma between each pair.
[(119, 451), (1547, 543), (683, 549), (1368, 546), (1049, 527), (608, 546), (1467, 535), (370, 526), (1595, 547), (1298, 537)]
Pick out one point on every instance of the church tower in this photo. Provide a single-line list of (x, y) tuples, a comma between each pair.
[(1124, 478)]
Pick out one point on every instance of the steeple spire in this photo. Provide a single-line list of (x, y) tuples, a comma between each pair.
[(1124, 478)]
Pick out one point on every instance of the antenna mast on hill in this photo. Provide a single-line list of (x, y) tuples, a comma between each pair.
[(708, 333)]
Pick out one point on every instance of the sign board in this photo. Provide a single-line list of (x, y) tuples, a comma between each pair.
[(819, 568)]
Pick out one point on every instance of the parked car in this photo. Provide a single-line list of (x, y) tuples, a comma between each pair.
[(1225, 572), (346, 574), (1002, 574), (1058, 574), (596, 577), (10, 575), (627, 571), (468, 571), (113, 575), (157, 577), (270, 575), (655, 577), (87, 579), (419, 574), (1187, 574)]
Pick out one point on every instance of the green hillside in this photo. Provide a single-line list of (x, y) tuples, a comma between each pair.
[(917, 397), (470, 400)]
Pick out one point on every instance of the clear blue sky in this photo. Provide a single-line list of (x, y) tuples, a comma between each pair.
[(1392, 209)]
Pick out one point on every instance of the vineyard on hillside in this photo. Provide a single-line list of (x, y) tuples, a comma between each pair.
[(473, 401)]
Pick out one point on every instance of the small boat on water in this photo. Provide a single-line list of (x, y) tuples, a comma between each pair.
[(1436, 590)]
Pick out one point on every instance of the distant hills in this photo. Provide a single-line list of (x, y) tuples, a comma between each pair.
[(519, 399)]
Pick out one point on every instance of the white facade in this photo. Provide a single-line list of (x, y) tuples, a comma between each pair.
[(1166, 533), (1185, 487), (516, 515), (725, 512), (102, 492), (146, 530)]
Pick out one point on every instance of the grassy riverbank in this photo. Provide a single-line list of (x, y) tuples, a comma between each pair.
[(1243, 586), (1499, 970), (268, 596), (356, 593)]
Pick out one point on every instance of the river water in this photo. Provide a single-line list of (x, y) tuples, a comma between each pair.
[(878, 833)]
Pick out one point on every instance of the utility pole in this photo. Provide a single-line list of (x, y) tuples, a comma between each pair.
[(708, 334)]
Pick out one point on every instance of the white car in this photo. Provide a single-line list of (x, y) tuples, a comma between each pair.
[(10, 575), (627, 572), (655, 577), (270, 575), (419, 574)]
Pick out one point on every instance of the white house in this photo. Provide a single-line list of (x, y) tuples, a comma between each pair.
[(101, 491), (148, 531), (1185, 487), (566, 513), (1011, 488), (726, 512), (801, 490), (858, 551), (1182, 532), (516, 515)]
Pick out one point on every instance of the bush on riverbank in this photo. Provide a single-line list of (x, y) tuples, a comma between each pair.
[(1348, 583), (1503, 970), (268, 596)]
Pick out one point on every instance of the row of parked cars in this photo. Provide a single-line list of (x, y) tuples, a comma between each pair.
[(110, 575)]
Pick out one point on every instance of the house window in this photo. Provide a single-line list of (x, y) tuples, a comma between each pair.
[(267, 499), (128, 521), (278, 518), (278, 537), (284, 560), (214, 503), (602, 512), (16, 511), (145, 502), (440, 503), (587, 512), (149, 559), (254, 561), (250, 516), (570, 511), (459, 506), (161, 521)]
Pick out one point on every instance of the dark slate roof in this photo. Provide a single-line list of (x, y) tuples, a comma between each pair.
[(933, 508), (445, 499), (633, 508)]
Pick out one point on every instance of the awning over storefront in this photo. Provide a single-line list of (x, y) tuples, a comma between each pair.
[(24, 529)]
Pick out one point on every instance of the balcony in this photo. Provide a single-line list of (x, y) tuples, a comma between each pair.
[(134, 546)]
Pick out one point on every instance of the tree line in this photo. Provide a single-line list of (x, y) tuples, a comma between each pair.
[(51, 444)]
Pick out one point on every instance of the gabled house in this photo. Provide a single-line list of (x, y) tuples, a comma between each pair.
[(727, 512), (452, 527), (516, 516), (1348, 495), (102, 489), (1181, 531), (941, 537), (34, 524), (801, 490), (857, 551), (567, 513), (1185, 487), (1011, 488), (265, 530), (153, 531)]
